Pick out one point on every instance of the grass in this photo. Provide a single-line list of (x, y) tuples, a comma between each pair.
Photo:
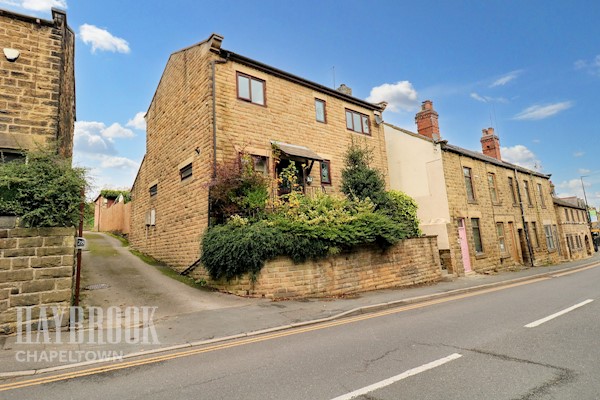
[(124, 241), (165, 270)]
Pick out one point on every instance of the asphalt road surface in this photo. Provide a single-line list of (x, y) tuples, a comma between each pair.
[(532, 341)]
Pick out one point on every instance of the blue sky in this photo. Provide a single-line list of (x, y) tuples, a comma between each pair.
[(530, 69)]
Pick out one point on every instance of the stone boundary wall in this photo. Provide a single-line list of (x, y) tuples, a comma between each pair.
[(116, 218), (36, 269), (410, 262)]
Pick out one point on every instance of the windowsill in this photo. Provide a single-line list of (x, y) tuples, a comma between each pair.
[(359, 133), (497, 203), (186, 180), (504, 256), (472, 202), (479, 256), (251, 102)]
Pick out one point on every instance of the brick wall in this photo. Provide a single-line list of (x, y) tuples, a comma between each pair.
[(504, 211), (410, 262), (37, 91), (180, 131), (36, 269)]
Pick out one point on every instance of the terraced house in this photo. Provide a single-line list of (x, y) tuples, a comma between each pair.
[(573, 227), (37, 84), (212, 104), (487, 213)]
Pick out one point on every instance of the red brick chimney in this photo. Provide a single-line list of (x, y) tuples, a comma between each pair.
[(490, 144), (427, 121)]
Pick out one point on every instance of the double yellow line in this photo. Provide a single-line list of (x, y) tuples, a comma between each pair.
[(262, 338)]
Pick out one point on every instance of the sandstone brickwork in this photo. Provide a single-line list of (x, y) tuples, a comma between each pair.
[(574, 230), (37, 90), (36, 269), (180, 132), (539, 214), (410, 262)]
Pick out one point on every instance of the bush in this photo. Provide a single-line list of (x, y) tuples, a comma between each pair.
[(44, 192), (238, 190), (402, 208), (302, 228), (358, 178)]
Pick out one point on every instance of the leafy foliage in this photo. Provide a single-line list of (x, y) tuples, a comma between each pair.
[(402, 208), (113, 194), (359, 179), (301, 228), (44, 192), (238, 189)]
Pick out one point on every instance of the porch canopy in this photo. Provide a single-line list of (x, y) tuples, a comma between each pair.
[(293, 150)]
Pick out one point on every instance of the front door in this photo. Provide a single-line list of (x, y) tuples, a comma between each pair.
[(464, 245), (514, 251)]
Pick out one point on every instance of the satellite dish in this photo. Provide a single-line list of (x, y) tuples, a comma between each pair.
[(378, 120)]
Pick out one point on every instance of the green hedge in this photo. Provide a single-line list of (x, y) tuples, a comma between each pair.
[(44, 192), (301, 229)]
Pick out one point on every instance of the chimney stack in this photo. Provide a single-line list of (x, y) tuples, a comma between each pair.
[(427, 121), (490, 144), (345, 89)]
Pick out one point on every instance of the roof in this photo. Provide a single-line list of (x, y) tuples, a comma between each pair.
[(491, 160), (297, 151), (301, 81), (566, 203)]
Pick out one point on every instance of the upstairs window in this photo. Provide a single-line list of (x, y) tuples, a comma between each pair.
[(541, 193), (511, 187), (321, 116), (186, 171), (469, 184), (250, 89), (493, 190), (357, 122), (325, 172), (153, 190), (527, 193)]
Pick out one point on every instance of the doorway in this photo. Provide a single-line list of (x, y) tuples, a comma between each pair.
[(524, 248), (464, 245)]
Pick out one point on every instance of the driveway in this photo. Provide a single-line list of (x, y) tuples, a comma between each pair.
[(115, 277)]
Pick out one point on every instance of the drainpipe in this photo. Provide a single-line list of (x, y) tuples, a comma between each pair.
[(214, 122), (525, 228)]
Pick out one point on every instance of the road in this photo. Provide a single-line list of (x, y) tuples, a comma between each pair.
[(468, 347)]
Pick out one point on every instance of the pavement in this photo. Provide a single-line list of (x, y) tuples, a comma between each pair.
[(195, 317)]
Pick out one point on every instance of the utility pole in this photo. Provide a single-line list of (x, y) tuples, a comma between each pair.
[(587, 207)]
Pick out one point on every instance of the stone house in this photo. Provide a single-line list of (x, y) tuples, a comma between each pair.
[(211, 104), (37, 84), (573, 228), (487, 213)]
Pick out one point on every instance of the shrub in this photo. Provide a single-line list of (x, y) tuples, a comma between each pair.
[(359, 179), (44, 192), (302, 228), (402, 208), (238, 189)]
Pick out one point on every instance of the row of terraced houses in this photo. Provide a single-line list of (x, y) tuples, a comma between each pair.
[(211, 104)]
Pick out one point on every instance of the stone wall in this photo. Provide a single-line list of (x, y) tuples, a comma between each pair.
[(410, 262), (37, 90), (36, 269), (572, 224)]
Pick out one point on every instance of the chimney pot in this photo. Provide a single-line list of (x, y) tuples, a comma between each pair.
[(427, 121), (345, 89)]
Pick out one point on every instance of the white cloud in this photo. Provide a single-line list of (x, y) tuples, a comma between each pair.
[(102, 40), (571, 187), (579, 154), (36, 5), (117, 131), (138, 122), (592, 67), (95, 138), (583, 171), (503, 80), (400, 96), (537, 112), (487, 99), (536, 141), (521, 155), (107, 161)]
